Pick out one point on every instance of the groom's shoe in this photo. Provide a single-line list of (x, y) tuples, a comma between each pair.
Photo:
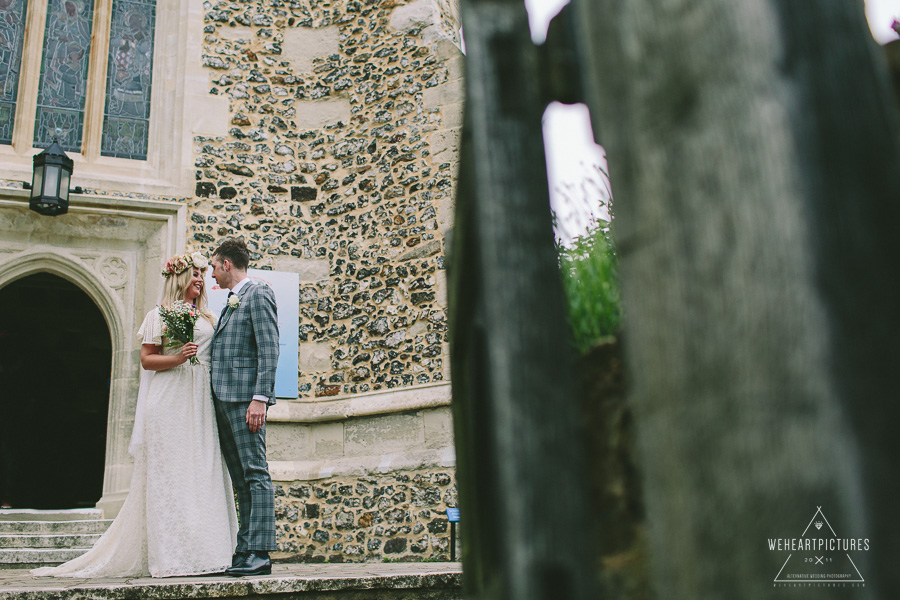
[(257, 562), (238, 558)]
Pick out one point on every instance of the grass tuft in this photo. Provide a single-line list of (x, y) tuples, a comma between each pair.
[(589, 268)]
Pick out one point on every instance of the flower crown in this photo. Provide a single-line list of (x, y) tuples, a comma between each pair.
[(178, 264)]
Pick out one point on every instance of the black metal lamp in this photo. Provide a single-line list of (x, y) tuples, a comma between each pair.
[(50, 185)]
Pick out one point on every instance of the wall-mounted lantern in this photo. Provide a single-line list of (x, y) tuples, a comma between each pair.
[(50, 184)]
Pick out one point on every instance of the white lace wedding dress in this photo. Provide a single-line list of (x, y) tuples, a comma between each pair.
[(179, 516)]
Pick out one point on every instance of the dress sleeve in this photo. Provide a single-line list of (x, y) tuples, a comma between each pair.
[(151, 329)]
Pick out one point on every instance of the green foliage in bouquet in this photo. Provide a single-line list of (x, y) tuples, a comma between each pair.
[(589, 269), (178, 324)]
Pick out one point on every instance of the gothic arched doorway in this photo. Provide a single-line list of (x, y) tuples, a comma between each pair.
[(55, 360)]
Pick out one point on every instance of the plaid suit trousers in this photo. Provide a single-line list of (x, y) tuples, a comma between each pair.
[(245, 457)]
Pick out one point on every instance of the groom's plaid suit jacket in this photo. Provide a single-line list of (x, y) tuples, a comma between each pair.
[(245, 347)]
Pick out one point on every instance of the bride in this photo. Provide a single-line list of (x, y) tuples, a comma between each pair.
[(179, 516)]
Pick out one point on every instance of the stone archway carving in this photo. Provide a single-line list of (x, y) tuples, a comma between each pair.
[(68, 266), (112, 249)]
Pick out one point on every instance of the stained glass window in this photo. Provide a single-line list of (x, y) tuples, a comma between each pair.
[(12, 35), (64, 67), (126, 119)]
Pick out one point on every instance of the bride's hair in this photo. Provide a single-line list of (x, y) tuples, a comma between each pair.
[(175, 288)]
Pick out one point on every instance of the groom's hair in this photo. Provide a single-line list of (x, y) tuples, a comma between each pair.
[(235, 250)]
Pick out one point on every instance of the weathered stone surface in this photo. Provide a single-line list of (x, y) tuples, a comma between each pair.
[(80, 540), (395, 581), (325, 390), (385, 514), (31, 538), (304, 45), (32, 557), (423, 251), (303, 193), (447, 95), (205, 189), (309, 269), (418, 14), (322, 111), (315, 356), (395, 546), (285, 442), (54, 527), (391, 432), (327, 440), (361, 127), (438, 428)]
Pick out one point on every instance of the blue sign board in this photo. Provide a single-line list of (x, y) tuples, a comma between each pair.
[(287, 296), (453, 515)]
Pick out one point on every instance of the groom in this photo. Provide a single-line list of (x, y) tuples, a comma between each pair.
[(244, 357)]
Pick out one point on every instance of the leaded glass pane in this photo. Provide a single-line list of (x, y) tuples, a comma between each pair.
[(64, 184), (64, 67), (51, 180), (126, 120), (38, 177), (12, 36)]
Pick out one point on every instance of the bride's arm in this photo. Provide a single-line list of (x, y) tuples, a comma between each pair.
[(153, 359)]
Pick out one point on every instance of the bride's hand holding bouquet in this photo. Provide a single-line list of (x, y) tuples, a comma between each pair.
[(178, 325)]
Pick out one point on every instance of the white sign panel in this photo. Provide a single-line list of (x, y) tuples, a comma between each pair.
[(287, 295)]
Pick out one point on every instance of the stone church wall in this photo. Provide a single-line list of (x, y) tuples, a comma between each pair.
[(339, 162), (397, 516), (326, 134)]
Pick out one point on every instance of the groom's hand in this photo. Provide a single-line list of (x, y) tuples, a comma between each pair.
[(256, 415)]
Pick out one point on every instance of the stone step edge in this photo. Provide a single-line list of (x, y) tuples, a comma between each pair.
[(63, 522), (54, 524), (25, 565), (278, 584), (47, 535), (15, 555), (31, 514), (54, 541), (42, 550)]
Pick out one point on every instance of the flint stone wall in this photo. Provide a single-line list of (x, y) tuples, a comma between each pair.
[(339, 162), (394, 516)]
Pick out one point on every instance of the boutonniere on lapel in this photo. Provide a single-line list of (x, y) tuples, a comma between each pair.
[(233, 302)]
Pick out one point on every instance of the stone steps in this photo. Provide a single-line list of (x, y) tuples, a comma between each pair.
[(51, 540), (30, 514), (345, 581), (34, 538), (27, 558), (54, 527)]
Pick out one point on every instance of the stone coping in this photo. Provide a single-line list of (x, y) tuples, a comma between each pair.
[(362, 466), (434, 395), (285, 579), (117, 203)]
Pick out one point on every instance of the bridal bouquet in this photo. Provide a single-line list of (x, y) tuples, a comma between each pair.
[(178, 324)]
